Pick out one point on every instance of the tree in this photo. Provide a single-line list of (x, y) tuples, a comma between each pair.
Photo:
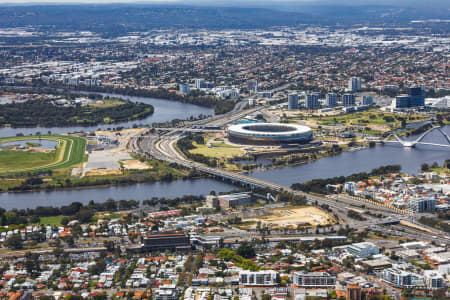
[(14, 242), (109, 245), (425, 167), (246, 251), (32, 263), (96, 269)]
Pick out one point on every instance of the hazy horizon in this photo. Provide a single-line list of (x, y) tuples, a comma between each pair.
[(246, 3)]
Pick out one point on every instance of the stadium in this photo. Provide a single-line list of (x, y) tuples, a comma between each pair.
[(269, 133)]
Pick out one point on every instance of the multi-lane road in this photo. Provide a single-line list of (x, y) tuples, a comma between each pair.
[(163, 147)]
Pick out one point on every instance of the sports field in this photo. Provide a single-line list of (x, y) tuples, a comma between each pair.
[(69, 152), (217, 150)]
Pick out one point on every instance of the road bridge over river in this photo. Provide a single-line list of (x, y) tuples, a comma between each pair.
[(162, 147)]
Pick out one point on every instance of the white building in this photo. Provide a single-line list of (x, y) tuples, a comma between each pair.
[(433, 279), (259, 278), (354, 84), (422, 204), (199, 83), (184, 89), (397, 277), (363, 250), (443, 102), (350, 186), (314, 280)]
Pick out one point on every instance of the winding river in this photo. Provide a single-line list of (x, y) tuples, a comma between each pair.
[(164, 111), (343, 164)]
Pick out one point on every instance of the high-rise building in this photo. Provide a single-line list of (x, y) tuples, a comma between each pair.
[(253, 85), (354, 84), (367, 100), (312, 101), (353, 292), (331, 100), (348, 100), (199, 83), (292, 101), (417, 96), (184, 89), (402, 101)]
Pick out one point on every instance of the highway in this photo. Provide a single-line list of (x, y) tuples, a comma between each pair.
[(162, 147)]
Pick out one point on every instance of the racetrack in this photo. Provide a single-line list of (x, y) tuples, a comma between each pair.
[(69, 152)]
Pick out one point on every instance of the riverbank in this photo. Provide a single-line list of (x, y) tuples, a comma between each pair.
[(165, 112), (138, 192), (52, 110), (62, 179), (220, 106), (350, 162)]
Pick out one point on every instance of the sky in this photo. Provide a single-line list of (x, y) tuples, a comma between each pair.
[(256, 3)]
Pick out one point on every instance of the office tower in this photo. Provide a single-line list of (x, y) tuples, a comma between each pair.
[(253, 85), (312, 101), (367, 100), (199, 83), (402, 101), (354, 84), (417, 96), (348, 100), (292, 101), (331, 100)]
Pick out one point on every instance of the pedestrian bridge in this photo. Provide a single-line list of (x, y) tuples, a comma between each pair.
[(411, 144)]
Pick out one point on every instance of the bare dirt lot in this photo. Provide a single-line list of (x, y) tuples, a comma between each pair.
[(294, 216), (134, 164)]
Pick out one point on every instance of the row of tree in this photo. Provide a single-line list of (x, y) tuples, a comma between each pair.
[(45, 114), (320, 185)]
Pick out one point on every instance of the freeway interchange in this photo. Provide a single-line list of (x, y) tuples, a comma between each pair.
[(163, 147)]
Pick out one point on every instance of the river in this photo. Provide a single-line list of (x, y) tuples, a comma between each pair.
[(348, 163), (343, 164), (164, 111), (141, 191)]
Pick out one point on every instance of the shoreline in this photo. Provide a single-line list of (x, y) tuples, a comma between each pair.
[(88, 187)]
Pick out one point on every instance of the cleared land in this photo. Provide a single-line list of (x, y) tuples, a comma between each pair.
[(295, 216), (217, 150), (69, 152), (134, 164)]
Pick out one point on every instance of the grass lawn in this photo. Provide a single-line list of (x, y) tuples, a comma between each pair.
[(216, 152), (366, 118), (69, 152), (14, 160), (52, 221), (223, 145)]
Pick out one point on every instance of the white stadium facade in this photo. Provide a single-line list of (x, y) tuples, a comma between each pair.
[(269, 133)]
